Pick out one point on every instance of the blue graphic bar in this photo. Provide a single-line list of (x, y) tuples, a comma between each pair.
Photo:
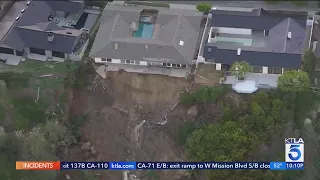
[(294, 166), (277, 166)]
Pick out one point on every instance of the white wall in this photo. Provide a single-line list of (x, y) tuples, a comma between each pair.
[(118, 61), (48, 53), (264, 70), (143, 63), (234, 30), (218, 66), (98, 60), (27, 50)]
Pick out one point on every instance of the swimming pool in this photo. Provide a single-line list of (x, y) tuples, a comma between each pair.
[(144, 31)]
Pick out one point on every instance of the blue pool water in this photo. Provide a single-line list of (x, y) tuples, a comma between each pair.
[(144, 31)]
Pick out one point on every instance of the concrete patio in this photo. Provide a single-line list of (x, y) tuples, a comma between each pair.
[(11, 59), (262, 80), (181, 73)]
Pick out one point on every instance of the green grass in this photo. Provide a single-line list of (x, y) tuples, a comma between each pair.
[(300, 3), (37, 68), (152, 175), (28, 113), (40, 67)]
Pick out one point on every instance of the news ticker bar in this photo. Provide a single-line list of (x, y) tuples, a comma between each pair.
[(54, 165)]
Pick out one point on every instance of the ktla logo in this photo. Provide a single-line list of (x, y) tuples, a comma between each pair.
[(294, 150)]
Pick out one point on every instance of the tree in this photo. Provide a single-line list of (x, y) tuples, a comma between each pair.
[(240, 69), (204, 7), (309, 61), (294, 81), (225, 142), (58, 135)]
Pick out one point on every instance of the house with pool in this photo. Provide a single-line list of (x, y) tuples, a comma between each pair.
[(271, 41), (44, 30), (147, 39)]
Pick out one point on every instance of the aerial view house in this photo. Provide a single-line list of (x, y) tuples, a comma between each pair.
[(44, 30), (143, 37), (271, 41)]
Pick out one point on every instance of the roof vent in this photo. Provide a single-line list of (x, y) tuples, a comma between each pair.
[(133, 26), (181, 43), (50, 36), (17, 18), (116, 45), (28, 3), (146, 46), (289, 35), (69, 32), (22, 11), (239, 51)]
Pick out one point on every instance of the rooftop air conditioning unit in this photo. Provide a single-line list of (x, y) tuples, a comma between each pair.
[(239, 51), (181, 43), (28, 3), (289, 35)]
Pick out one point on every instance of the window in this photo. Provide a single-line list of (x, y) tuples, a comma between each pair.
[(103, 59), (174, 65), (184, 66), (19, 53), (37, 51), (6, 50), (178, 65), (129, 61), (57, 54), (257, 69), (209, 49), (169, 64), (164, 64), (287, 69), (274, 70), (109, 60), (266, 33)]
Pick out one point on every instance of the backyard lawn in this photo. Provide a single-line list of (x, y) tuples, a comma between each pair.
[(23, 83)]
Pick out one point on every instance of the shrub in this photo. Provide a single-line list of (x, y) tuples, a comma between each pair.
[(184, 132), (204, 7), (155, 4), (204, 94)]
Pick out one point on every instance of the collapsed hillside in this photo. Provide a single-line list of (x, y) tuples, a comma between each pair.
[(124, 115)]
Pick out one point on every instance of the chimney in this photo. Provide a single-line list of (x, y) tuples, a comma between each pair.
[(50, 36), (116, 45), (239, 51), (289, 35)]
